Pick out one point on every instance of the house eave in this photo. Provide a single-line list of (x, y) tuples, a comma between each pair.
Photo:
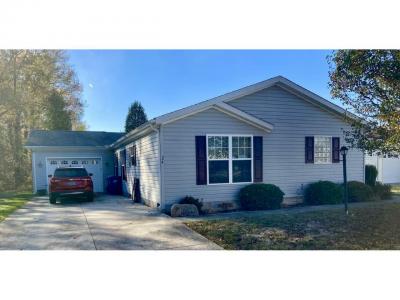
[(60, 147), (142, 130)]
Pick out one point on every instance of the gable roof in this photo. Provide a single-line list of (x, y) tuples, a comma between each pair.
[(221, 103), (56, 138), (251, 89)]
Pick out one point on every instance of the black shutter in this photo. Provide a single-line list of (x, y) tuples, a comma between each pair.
[(201, 160), (309, 151), (335, 149), (123, 164), (258, 158), (116, 164), (132, 153)]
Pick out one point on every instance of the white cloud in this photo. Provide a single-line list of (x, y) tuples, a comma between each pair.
[(91, 85)]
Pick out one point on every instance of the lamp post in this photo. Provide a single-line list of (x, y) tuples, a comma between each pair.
[(343, 152)]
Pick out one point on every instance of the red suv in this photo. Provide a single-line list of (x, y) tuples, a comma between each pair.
[(70, 181)]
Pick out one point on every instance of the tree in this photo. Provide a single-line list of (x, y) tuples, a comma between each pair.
[(58, 118), (136, 116), (27, 80), (367, 82)]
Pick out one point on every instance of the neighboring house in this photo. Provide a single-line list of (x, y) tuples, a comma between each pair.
[(388, 168), (274, 131)]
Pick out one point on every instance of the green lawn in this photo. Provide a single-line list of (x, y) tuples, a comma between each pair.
[(374, 227), (12, 201)]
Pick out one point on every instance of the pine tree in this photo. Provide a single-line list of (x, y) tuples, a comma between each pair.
[(136, 116)]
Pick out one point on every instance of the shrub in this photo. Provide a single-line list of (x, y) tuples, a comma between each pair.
[(260, 196), (371, 173), (382, 191), (360, 192), (323, 192), (191, 200)]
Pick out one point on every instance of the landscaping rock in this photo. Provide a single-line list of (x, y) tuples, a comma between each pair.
[(184, 210)]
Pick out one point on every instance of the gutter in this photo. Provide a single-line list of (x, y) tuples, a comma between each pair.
[(67, 147), (134, 133)]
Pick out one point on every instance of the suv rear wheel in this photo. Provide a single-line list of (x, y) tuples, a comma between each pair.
[(52, 198), (90, 197)]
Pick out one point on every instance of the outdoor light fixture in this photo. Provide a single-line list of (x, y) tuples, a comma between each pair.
[(343, 151)]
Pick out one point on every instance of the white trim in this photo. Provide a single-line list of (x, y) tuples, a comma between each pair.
[(330, 138), (161, 167), (230, 158), (243, 116)]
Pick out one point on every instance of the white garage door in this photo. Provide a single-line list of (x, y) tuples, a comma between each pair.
[(91, 164)]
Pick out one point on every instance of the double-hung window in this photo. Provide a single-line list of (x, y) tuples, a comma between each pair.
[(322, 149), (229, 159)]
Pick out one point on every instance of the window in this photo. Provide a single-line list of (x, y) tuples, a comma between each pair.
[(241, 159), (85, 162), (123, 164), (322, 150), (64, 162), (95, 162), (53, 162), (132, 154), (218, 159), (74, 162), (229, 159), (70, 172), (116, 163)]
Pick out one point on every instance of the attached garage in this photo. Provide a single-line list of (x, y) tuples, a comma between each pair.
[(92, 164), (88, 149)]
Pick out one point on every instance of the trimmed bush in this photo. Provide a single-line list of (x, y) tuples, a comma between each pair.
[(371, 173), (360, 192), (323, 192), (260, 196), (382, 191), (192, 200)]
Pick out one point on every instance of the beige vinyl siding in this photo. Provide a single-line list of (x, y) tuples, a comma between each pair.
[(147, 168)]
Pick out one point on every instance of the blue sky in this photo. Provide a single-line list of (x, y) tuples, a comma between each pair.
[(164, 81)]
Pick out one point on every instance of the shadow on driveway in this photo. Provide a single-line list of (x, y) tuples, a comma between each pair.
[(108, 223)]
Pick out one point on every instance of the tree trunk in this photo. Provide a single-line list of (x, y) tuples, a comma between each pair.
[(17, 141)]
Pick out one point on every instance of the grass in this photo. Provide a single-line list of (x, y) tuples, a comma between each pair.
[(372, 227), (11, 201)]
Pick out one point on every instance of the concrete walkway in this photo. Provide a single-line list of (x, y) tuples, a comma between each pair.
[(108, 223), (283, 211)]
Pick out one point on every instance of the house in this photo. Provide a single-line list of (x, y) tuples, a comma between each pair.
[(388, 167), (274, 131)]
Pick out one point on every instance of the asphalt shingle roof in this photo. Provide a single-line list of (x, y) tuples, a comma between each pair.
[(72, 138)]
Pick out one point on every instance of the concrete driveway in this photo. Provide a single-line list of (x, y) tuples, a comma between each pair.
[(108, 223)]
